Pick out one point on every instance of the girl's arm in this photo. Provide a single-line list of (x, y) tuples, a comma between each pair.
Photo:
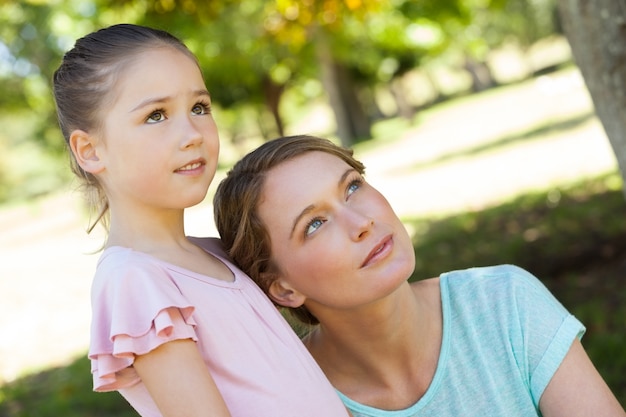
[(577, 389), (178, 380)]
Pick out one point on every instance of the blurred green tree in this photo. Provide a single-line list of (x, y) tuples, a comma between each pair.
[(253, 52)]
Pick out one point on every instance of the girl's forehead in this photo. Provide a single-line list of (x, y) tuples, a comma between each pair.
[(157, 71), (156, 53)]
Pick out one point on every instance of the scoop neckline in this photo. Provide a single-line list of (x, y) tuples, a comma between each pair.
[(439, 372), (236, 280)]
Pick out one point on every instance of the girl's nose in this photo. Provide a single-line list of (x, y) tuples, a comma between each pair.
[(191, 134)]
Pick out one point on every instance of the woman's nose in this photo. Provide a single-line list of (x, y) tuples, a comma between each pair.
[(361, 225)]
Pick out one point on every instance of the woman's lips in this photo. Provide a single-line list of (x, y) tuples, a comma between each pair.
[(380, 251)]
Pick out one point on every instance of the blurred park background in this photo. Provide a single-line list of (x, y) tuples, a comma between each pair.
[(470, 115)]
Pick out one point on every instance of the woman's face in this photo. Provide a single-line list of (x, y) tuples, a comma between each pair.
[(334, 238)]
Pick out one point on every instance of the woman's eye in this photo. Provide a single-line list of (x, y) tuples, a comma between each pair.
[(156, 116), (312, 226), (354, 185)]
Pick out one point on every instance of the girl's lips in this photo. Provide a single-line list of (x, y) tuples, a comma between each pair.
[(379, 251), (192, 166)]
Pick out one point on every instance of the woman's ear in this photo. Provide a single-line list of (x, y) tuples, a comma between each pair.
[(83, 146), (285, 295)]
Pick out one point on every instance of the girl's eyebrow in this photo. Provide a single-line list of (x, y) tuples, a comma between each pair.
[(311, 207), (150, 101)]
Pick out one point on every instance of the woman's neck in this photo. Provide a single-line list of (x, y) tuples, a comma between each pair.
[(391, 349)]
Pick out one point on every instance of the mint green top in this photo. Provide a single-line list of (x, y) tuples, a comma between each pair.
[(504, 336)]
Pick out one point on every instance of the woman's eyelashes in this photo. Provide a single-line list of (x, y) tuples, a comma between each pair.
[(312, 226), (198, 109), (354, 183)]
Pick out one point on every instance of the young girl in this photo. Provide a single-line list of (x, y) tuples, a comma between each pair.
[(299, 218), (177, 329)]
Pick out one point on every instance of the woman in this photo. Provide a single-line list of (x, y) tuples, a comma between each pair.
[(299, 218)]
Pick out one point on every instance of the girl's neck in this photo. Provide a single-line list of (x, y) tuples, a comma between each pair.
[(164, 238), (147, 232)]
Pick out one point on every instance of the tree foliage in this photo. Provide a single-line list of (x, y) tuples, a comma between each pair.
[(252, 51)]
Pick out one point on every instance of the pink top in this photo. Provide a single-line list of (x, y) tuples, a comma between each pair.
[(260, 366)]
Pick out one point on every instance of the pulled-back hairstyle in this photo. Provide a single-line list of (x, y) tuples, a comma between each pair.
[(85, 82), (236, 202)]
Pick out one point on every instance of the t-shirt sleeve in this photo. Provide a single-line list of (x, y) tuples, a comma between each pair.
[(136, 308), (548, 329)]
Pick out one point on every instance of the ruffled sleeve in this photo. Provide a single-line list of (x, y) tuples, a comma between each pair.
[(136, 308)]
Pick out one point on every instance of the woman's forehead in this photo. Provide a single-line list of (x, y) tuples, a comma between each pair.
[(313, 163), (300, 180)]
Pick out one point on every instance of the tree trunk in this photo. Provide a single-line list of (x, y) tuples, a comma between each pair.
[(273, 93), (596, 30), (482, 79), (360, 126), (352, 123), (398, 91)]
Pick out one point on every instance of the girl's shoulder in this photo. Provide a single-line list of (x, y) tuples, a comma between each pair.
[(122, 269), (115, 258), (125, 258), (120, 264), (212, 245)]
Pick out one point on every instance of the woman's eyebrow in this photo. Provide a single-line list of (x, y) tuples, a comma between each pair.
[(303, 213), (311, 207)]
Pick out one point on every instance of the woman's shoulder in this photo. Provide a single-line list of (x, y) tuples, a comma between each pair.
[(495, 283), (498, 288), (492, 287), (428, 289), (504, 274)]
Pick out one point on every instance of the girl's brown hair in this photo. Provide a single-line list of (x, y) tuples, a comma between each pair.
[(236, 201)]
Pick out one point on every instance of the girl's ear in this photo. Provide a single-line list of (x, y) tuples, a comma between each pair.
[(285, 295), (83, 146)]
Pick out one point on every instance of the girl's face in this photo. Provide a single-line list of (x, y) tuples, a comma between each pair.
[(334, 239), (158, 143)]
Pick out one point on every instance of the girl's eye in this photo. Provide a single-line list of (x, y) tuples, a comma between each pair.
[(156, 116), (312, 226), (201, 108)]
